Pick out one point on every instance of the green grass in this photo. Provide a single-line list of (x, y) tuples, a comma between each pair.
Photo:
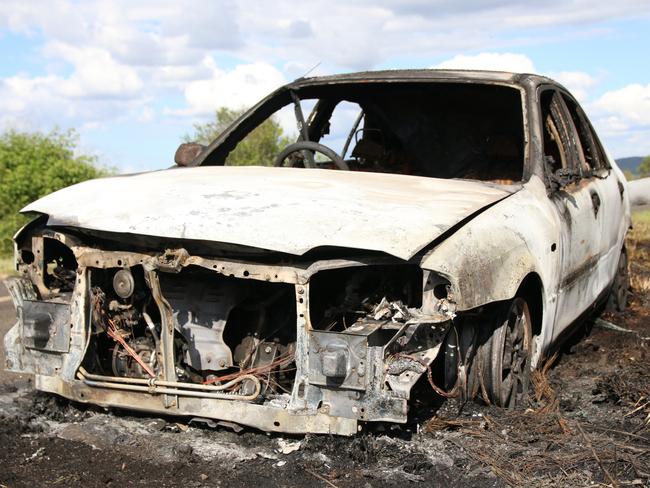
[(641, 225), (641, 218), (638, 247)]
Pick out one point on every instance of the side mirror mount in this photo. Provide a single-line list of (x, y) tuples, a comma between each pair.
[(559, 178), (566, 176), (187, 153), (601, 173)]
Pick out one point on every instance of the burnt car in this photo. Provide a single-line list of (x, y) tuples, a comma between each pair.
[(475, 221)]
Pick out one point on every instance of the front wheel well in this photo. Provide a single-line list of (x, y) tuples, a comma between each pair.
[(532, 290)]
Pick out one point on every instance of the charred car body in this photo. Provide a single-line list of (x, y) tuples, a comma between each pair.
[(477, 218)]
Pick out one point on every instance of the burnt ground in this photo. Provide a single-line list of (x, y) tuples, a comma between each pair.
[(587, 424)]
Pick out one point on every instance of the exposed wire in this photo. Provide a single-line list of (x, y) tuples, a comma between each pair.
[(447, 394), (99, 315), (259, 371), (113, 334)]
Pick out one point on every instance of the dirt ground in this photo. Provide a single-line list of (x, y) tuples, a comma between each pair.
[(587, 424)]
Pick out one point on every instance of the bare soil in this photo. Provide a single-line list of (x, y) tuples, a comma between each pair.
[(588, 423)]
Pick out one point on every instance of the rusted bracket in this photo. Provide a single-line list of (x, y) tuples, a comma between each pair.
[(166, 355)]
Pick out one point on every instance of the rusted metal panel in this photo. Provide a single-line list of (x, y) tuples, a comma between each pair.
[(46, 325), (272, 419), (314, 404)]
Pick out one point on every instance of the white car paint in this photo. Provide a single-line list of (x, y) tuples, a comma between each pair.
[(289, 210)]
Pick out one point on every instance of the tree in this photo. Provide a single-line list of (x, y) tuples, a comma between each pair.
[(644, 167), (33, 165), (260, 147)]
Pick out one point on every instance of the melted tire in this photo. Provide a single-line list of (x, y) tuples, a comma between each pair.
[(617, 301), (496, 351), (507, 356)]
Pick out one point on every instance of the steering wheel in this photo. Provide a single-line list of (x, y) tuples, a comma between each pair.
[(311, 146)]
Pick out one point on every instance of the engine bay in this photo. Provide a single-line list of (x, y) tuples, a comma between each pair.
[(223, 328), (294, 347)]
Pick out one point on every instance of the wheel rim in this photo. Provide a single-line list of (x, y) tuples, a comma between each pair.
[(622, 282), (511, 350)]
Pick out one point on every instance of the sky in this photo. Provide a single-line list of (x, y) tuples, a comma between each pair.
[(134, 77)]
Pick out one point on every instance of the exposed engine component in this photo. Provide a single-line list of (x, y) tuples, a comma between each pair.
[(351, 348), (125, 364), (123, 283), (228, 326), (340, 297), (225, 329), (134, 351), (271, 361)]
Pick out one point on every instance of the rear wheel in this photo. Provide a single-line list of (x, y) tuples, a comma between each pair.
[(617, 301)]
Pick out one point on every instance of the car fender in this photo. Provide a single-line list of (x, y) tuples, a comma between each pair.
[(488, 258)]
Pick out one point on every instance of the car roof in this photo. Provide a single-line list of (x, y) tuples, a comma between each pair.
[(423, 75)]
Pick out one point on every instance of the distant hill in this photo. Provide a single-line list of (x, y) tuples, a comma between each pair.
[(631, 163)]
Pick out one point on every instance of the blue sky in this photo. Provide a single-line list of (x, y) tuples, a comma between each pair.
[(132, 80)]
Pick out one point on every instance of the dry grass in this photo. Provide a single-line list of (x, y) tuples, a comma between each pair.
[(641, 223), (545, 396), (539, 446), (468, 426)]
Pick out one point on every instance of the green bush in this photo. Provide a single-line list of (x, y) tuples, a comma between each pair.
[(259, 148), (33, 165), (644, 168)]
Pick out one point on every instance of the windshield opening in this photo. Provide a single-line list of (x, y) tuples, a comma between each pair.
[(441, 130)]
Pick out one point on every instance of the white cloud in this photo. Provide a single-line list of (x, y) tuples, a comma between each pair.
[(97, 89), (561, 13), (622, 118), (106, 60), (351, 35), (577, 82), (42, 102), (209, 25), (517, 63), (240, 87), (177, 76), (630, 104), (18, 92), (96, 74)]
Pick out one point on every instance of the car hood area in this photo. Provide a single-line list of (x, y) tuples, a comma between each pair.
[(289, 210)]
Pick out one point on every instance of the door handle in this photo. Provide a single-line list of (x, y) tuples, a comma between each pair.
[(595, 202)]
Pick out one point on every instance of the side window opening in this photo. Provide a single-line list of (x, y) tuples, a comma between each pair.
[(556, 141), (336, 130), (590, 152)]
